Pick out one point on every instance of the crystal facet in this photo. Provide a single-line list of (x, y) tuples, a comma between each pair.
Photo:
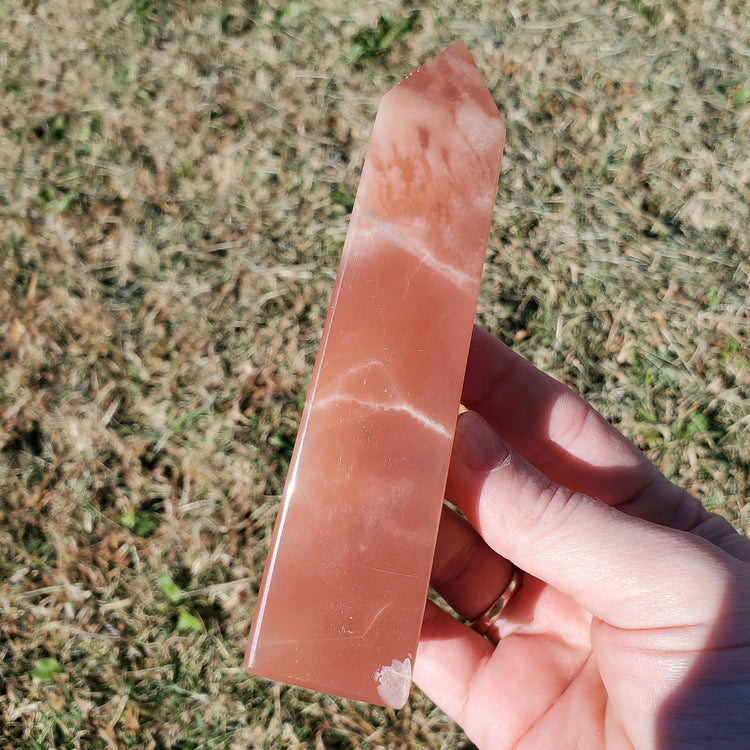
[(344, 590)]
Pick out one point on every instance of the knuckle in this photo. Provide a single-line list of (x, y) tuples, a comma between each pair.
[(552, 505)]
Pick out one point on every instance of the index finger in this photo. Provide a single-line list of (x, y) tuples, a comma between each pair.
[(565, 438)]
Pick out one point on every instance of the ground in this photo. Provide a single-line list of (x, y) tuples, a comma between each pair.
[(175, 182)]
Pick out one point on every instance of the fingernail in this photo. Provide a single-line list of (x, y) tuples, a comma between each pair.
[(477, 445)]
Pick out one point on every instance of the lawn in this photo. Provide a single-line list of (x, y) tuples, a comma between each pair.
[(175, 184)]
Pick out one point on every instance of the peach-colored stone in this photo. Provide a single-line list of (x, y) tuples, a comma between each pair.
[(344, 590)]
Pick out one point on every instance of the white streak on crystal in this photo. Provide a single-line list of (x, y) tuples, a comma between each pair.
[(369, 365), (375, 405), (380, 227)]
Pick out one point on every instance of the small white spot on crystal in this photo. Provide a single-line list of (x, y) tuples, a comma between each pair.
[(394, 682)]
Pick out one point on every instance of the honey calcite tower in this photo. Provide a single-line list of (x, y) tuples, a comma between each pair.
[(345, 585)]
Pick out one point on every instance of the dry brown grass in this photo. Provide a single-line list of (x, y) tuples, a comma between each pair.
[(174, 187)]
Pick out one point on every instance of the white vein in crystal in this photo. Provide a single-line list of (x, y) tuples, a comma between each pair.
[(402, 407), (461, 279), (336, 383)]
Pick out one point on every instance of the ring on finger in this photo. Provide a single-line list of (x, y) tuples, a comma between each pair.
[(483, 624)]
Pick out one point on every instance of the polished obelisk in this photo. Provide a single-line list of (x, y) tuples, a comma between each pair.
[(345, 585)]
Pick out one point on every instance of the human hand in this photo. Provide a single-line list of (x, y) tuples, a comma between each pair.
[(632, 626)]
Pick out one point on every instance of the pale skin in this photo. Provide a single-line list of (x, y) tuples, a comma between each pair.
[(632, 626)]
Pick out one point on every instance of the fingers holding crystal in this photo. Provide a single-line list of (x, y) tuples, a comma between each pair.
[(548, 529), (553, 428), (466, 572)]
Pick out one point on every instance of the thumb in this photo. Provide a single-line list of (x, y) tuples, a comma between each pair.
[(626, 571)]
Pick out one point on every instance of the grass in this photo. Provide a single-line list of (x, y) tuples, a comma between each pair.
[(175, 181)]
